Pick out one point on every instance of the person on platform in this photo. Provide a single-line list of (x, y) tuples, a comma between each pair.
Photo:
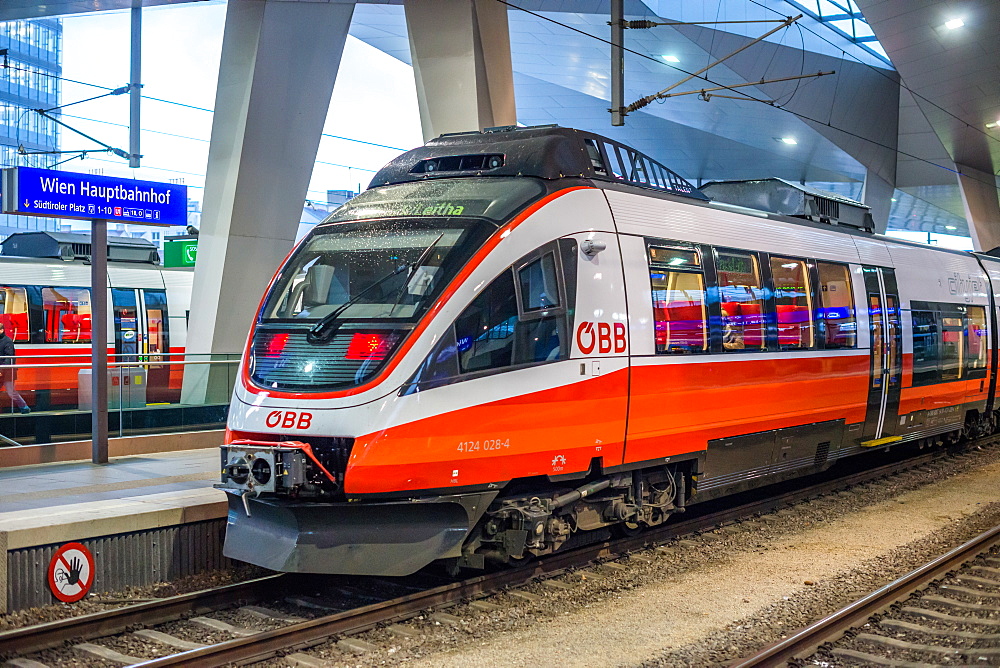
[(9, 374)]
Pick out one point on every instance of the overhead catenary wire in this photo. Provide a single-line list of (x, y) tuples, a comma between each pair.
[(804, 117)]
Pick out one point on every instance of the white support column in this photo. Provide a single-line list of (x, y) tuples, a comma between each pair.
[(982, 206), (461, 62), (279, 64), (877, 193)]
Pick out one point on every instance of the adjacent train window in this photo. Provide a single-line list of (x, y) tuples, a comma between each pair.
[(793, 299), (742, 298), (836, 309), (14, 312), (67, 315), (679, 313)]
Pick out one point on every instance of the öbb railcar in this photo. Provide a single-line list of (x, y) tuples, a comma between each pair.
[(517, 336)]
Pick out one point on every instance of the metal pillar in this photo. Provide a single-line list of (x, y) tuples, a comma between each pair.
[(461, 63), (617, 62), (982, 206), (135, 88), (99, 341), (278, 67)]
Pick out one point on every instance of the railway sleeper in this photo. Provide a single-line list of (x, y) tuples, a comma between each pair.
[(534, 522)]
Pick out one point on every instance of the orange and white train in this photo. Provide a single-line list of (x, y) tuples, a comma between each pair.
[(518, 336)]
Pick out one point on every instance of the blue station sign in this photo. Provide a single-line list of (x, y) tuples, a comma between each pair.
[(31, 191)]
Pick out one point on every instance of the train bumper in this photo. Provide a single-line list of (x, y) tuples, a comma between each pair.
[(390, 538)]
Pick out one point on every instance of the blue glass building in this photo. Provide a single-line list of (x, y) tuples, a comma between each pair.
[(29, 80)]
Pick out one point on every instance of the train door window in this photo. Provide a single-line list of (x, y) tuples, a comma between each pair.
[(952, 350), (680, 317), (742, 299), (14, 312), (836, 308), (892, 337), (127, 333), (975, 340), (157, 324), (926, 347), (793, 299), (878, 338), (67, 315)]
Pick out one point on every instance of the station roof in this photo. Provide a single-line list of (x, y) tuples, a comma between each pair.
[(913, 135)]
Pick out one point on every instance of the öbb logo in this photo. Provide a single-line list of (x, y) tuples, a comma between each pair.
[(598, 335), (289, 419)]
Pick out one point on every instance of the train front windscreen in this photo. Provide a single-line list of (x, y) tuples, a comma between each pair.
[(356, 287)]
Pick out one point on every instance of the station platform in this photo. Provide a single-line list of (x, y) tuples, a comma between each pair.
[(145, 518)]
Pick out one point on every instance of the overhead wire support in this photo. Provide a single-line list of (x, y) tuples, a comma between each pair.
[(643, 24), (703, 93), (642, 102)]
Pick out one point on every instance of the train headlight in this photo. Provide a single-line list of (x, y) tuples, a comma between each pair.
[(261, 471)]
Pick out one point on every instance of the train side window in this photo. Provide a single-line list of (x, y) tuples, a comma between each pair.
[(793, 299), (484, 333), (742, 299), (680, 317), (836, 307), (952, 348), (67, 315), (14, 312), (975, 340), (926, 348), (519, 319)]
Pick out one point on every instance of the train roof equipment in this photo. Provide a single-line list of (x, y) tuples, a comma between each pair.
[(547, 152), (71, 246), (786, 198)]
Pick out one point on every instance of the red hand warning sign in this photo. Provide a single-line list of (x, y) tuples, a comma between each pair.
[(71, 572)]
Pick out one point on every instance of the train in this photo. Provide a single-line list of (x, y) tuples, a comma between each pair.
[(46, 311), (518, 339)]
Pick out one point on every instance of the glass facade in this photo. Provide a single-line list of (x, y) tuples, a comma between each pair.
[(844, 17), (29, 80)]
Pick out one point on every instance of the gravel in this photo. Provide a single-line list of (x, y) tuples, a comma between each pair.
[(712, 598)]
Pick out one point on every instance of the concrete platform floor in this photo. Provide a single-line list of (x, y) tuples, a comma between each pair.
[(60, 484)]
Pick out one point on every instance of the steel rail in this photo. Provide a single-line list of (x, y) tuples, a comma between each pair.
[(261, 646), (807, 640), (26, 640), (53, 634)]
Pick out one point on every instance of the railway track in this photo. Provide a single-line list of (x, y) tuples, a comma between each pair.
[(306, 617), (953, 622)]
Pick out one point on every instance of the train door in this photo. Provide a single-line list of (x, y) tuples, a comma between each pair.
[(886, 357), (141, 335)]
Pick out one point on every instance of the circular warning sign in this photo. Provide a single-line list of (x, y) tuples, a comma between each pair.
[(71, 572)]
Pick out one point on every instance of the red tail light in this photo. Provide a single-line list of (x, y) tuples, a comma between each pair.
[(369, 346)]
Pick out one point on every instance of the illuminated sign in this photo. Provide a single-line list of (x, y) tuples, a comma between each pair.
[(30, 191)]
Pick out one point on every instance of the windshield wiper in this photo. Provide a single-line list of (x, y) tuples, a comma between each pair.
[(328, 325), (413, 268)]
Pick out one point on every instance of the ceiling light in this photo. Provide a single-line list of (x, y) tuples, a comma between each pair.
[(893, 199), (671, 59), (954, 23), (950, 227), (786, 140), (993, 124)]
